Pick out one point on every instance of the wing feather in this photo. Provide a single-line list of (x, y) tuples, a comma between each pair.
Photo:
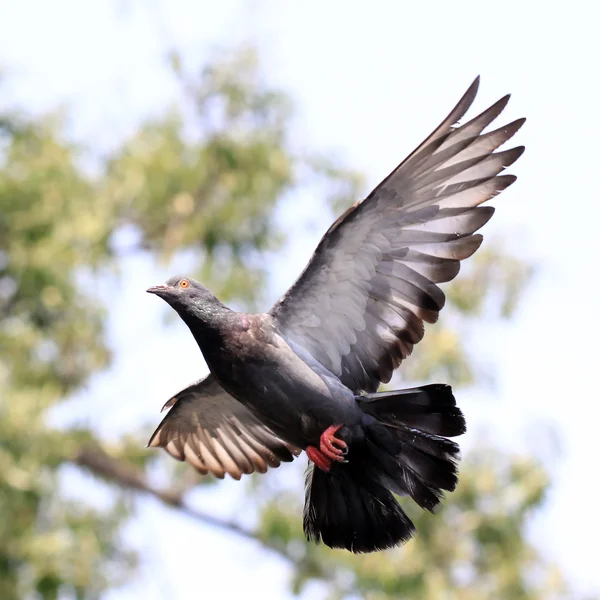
[(216, 434), (360, 303)]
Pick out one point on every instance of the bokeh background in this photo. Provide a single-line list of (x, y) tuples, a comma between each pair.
[(144, 139)]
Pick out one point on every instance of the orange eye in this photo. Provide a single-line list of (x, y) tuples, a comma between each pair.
[(184, 283)]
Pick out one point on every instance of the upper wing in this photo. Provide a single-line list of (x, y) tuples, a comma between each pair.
[(216, 434), (360, 303)]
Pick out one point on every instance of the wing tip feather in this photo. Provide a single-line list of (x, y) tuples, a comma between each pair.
[(503, 182), (154, 441), (474, 87), (168, 404), (465, 102)]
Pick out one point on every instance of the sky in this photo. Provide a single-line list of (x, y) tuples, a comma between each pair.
[(369, 81)]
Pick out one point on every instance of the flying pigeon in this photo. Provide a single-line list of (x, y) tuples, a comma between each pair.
[(304, 376)]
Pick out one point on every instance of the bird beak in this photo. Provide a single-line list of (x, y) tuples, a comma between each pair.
[(159, 290)]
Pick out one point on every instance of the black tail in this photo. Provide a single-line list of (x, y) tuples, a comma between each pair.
[(400, 450)]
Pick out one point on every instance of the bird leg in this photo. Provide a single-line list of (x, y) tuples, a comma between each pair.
[(330, 449), (320, 460), (331, 446)]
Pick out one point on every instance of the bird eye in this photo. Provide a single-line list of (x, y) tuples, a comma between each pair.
[(184, 283)]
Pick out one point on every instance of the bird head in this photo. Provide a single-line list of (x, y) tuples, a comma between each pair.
[(183, 293)]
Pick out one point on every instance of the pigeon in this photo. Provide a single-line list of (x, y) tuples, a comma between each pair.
[(305, 375)]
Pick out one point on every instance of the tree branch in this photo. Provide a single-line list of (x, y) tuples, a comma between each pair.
[(126, 475)]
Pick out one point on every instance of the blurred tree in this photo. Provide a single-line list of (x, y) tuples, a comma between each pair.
[(50, 343), (204, 179)]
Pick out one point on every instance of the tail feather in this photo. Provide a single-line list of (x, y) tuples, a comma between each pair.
[(400, 451), (431, 409), (347, 508)]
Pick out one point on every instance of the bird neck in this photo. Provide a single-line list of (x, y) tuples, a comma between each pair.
[(206, 322)]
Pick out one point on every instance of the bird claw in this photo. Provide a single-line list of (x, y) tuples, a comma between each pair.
[(316, 456), (332, 447)]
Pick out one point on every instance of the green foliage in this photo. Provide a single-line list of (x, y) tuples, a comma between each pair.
[(49, 324), (212, 193), (50, 343)]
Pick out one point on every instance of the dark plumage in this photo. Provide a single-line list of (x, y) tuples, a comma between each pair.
[(304, 376)]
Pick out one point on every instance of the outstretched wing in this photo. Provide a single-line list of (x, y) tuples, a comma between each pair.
[(360, 304), (216, 434)]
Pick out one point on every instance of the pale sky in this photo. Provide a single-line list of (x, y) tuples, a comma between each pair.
[(370, 81)]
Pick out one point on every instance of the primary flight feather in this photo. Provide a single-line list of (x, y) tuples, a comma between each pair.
[(304, 376)]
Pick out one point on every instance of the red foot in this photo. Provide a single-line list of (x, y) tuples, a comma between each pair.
[(330, 449), (320, 460)]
